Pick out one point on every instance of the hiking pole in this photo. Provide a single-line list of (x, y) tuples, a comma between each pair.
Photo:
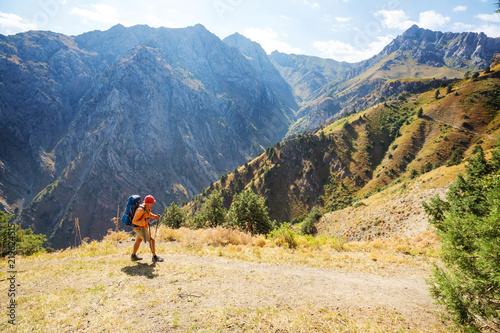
[(144, 234), (158, 222)]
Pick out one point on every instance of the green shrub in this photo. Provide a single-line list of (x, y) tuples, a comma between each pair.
[(26, 242), (309, 224), (284, 236), (468, 222), (249, 212), (213, 210), (174, 217), (456, 157)]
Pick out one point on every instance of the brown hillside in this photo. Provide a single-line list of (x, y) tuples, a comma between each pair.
[(364, 153)]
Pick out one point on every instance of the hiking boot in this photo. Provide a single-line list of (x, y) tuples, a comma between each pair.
[(157, 259), (134, 257)]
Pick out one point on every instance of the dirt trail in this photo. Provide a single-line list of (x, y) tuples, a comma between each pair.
[(195, 293)]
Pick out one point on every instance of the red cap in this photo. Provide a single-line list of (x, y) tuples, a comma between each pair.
[(149, 199)]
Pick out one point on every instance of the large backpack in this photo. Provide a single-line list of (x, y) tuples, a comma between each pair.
[(133, 203)]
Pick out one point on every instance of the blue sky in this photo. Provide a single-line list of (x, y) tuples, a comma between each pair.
[(344, 30)]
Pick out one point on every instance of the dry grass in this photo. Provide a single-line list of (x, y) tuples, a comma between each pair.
[(91, 287), (396, 255), (287, 319)]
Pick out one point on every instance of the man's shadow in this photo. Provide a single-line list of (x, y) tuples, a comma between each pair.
[(141, 269)]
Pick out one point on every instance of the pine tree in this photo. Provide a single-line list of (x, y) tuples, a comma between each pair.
[(468, 223), (436, 94), (174, 216), (309, 224), (249, 212), (456, 157), (213, 210), (26, 242)]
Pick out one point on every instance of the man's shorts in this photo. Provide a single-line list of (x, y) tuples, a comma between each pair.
[(143, 233)]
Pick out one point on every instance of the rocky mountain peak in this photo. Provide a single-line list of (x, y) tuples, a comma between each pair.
[(434, 48)]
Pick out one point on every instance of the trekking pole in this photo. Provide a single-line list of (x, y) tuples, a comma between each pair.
[(158, 222)]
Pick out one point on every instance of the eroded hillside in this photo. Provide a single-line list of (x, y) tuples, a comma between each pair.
[(383, 147)]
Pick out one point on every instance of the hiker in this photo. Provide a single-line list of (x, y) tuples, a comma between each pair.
[(140, 224)]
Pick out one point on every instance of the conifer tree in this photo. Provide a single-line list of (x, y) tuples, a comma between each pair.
[(26, 242), (249, 212), (213, 210), (468, 222), (174, 216)]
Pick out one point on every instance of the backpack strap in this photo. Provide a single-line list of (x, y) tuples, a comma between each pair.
[(143, 212)]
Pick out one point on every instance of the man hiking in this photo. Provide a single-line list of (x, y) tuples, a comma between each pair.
[(140, 224)]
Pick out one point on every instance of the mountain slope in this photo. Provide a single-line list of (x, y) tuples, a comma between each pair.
[(417, 53), (307, 74), (263, 65), (162, 111), (362, 154)]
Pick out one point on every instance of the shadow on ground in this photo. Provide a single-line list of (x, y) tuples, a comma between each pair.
[(141, 269)]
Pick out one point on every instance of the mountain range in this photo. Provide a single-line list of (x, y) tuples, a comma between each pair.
[(88, 120)]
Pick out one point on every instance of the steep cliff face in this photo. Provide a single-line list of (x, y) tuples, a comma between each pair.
[(44, 76), (124, 111), (277, 85)]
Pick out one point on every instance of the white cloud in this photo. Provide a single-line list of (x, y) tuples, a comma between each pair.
[(489, 17), (268, 39), (395, 19), (460, 26), (490, 30), (341, 51), (101, 13), (343, 19), (12, 23), (460, 9), (341, 23), (432, 20), (153, 21)]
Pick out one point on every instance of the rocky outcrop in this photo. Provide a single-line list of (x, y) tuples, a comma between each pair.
[(495, 60), (460, 50)]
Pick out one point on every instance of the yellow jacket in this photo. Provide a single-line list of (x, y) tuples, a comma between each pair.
[(142, 216)]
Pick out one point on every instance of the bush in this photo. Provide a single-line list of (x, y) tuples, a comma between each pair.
[(456, 157), (449, 89), (413, 174), (309, 224), (249, 212), (420, 112), (174, 217), (26, 242), (213, 210), (468, 222), (284, 236)]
